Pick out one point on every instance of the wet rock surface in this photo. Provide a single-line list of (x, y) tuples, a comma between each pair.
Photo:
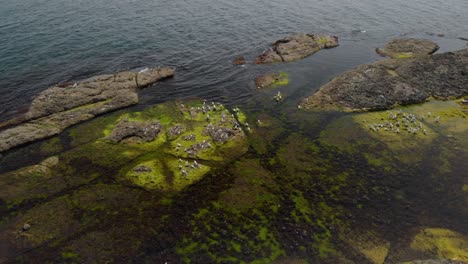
[(296, 47), (139, 131), (175, 131), (384, 84), (62, 106), (239, 60), (407, 48), (271, 80)]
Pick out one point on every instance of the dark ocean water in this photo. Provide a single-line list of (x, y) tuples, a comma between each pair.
[(44, 42)]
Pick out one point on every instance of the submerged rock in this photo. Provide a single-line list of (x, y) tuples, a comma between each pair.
[(443, 242), (296, 47), (407, 48), (272, 80), (434, 261), (384, 84), (62, 106), (239, 60)]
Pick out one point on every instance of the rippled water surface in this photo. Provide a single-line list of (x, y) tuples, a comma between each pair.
[(45, 42)]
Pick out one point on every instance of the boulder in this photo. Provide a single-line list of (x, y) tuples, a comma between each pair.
[(62, 106), (384, 84), (407, 48), (138, 131), (296, 47)]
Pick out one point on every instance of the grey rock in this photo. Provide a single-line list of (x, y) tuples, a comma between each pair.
[(384, 84), (296, 47), (407, 48), (220, 134), (62, 106), (142, 168), (175, 131), (138, 131)]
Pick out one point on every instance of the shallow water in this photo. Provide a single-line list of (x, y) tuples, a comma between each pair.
[(324, 181)]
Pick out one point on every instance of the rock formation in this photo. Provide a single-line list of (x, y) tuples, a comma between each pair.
[(296, 47), (384, 84), (407, 48), (62, 106)]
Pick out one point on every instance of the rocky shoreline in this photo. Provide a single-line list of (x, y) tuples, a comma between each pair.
[(60, 107), (384, 84)]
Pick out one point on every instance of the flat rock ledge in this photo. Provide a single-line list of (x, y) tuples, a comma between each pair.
[(296, 47), (62, 106), (384, 84), (407, 48)]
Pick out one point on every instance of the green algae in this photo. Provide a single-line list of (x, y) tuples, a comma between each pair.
[(162, 154), (37, 182), (70, 255), (252, 233), (267, 130), (283, 79), (403, 55), (51, 146), (369, 244), (164, 174), (252, 188)]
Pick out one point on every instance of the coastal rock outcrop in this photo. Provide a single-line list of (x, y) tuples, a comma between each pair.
[(384, 84), (407, 48), (296, 47), (62, 106)]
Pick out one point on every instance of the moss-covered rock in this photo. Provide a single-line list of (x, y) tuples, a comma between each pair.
[(386, 135), (374, 248), (443, 243), (271, 80)]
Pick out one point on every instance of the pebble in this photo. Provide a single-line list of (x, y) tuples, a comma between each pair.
[(26, 227)]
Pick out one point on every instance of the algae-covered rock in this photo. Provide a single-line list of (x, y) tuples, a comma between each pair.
[(407, 48), (374, 248), (443, 243), (404, 134), (434, 261), (384, 84), (168, 146), (243, 237), (54, 223), (272, 80), (62, 106), (32, 182), (296, 47)]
